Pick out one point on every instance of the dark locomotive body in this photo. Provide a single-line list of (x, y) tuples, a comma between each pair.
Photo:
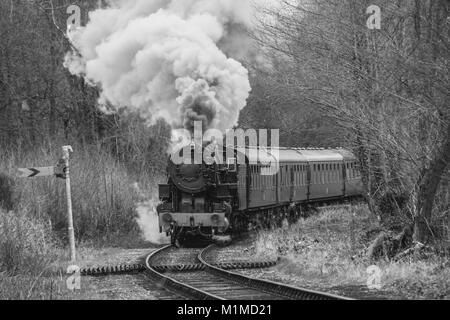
[(216, 199)]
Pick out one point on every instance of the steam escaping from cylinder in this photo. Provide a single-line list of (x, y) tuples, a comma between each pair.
[(148, 222), (147, 217), (167, 59)]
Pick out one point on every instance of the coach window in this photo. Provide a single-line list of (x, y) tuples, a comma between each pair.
[(319, 174), (294, 172), (281, 176), (305, 174), (300, 173), (351, 170), (286, 177), (300, 176), (258, 178), (314, 175), (324, 172), (252, 177), (330, 172), (318, 178), (288, 174)]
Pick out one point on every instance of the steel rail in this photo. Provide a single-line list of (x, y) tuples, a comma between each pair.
[(250, 285), (268, 286), (166, 281)]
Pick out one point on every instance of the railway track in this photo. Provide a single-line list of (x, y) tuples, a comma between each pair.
[(212, 282)]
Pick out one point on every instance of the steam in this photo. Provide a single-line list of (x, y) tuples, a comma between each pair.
[(148, 218), (148, 222), (167, 59), (170, 59)]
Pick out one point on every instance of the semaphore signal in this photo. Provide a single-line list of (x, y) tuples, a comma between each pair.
[(61, 170)]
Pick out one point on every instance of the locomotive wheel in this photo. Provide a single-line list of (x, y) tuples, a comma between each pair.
[(175, 236), (236, 223)]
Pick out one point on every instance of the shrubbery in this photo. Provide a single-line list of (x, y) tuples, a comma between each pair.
[(26, 244)]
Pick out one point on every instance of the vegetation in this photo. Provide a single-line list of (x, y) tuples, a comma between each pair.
[(320, 76), (385, 90), (329, 251)]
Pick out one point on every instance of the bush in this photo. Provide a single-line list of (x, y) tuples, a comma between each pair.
[(6, 192), (26, 244)]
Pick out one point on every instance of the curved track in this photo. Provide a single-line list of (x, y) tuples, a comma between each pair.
[(213, 282)]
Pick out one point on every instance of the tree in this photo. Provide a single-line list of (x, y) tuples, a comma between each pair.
[(387, 89)]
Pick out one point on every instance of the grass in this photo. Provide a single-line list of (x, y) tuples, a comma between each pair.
[(27, 249), (33, 263), (328, 250)]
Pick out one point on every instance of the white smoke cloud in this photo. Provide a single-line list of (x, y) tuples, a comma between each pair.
[(147, 218), (167, 59), (148, 222)]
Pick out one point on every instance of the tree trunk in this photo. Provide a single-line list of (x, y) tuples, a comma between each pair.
[(428, 186)]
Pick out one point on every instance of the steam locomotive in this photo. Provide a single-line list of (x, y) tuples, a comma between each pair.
[(209, 200)]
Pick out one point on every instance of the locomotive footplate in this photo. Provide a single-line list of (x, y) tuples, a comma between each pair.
[(193, 227), (193, 220)]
